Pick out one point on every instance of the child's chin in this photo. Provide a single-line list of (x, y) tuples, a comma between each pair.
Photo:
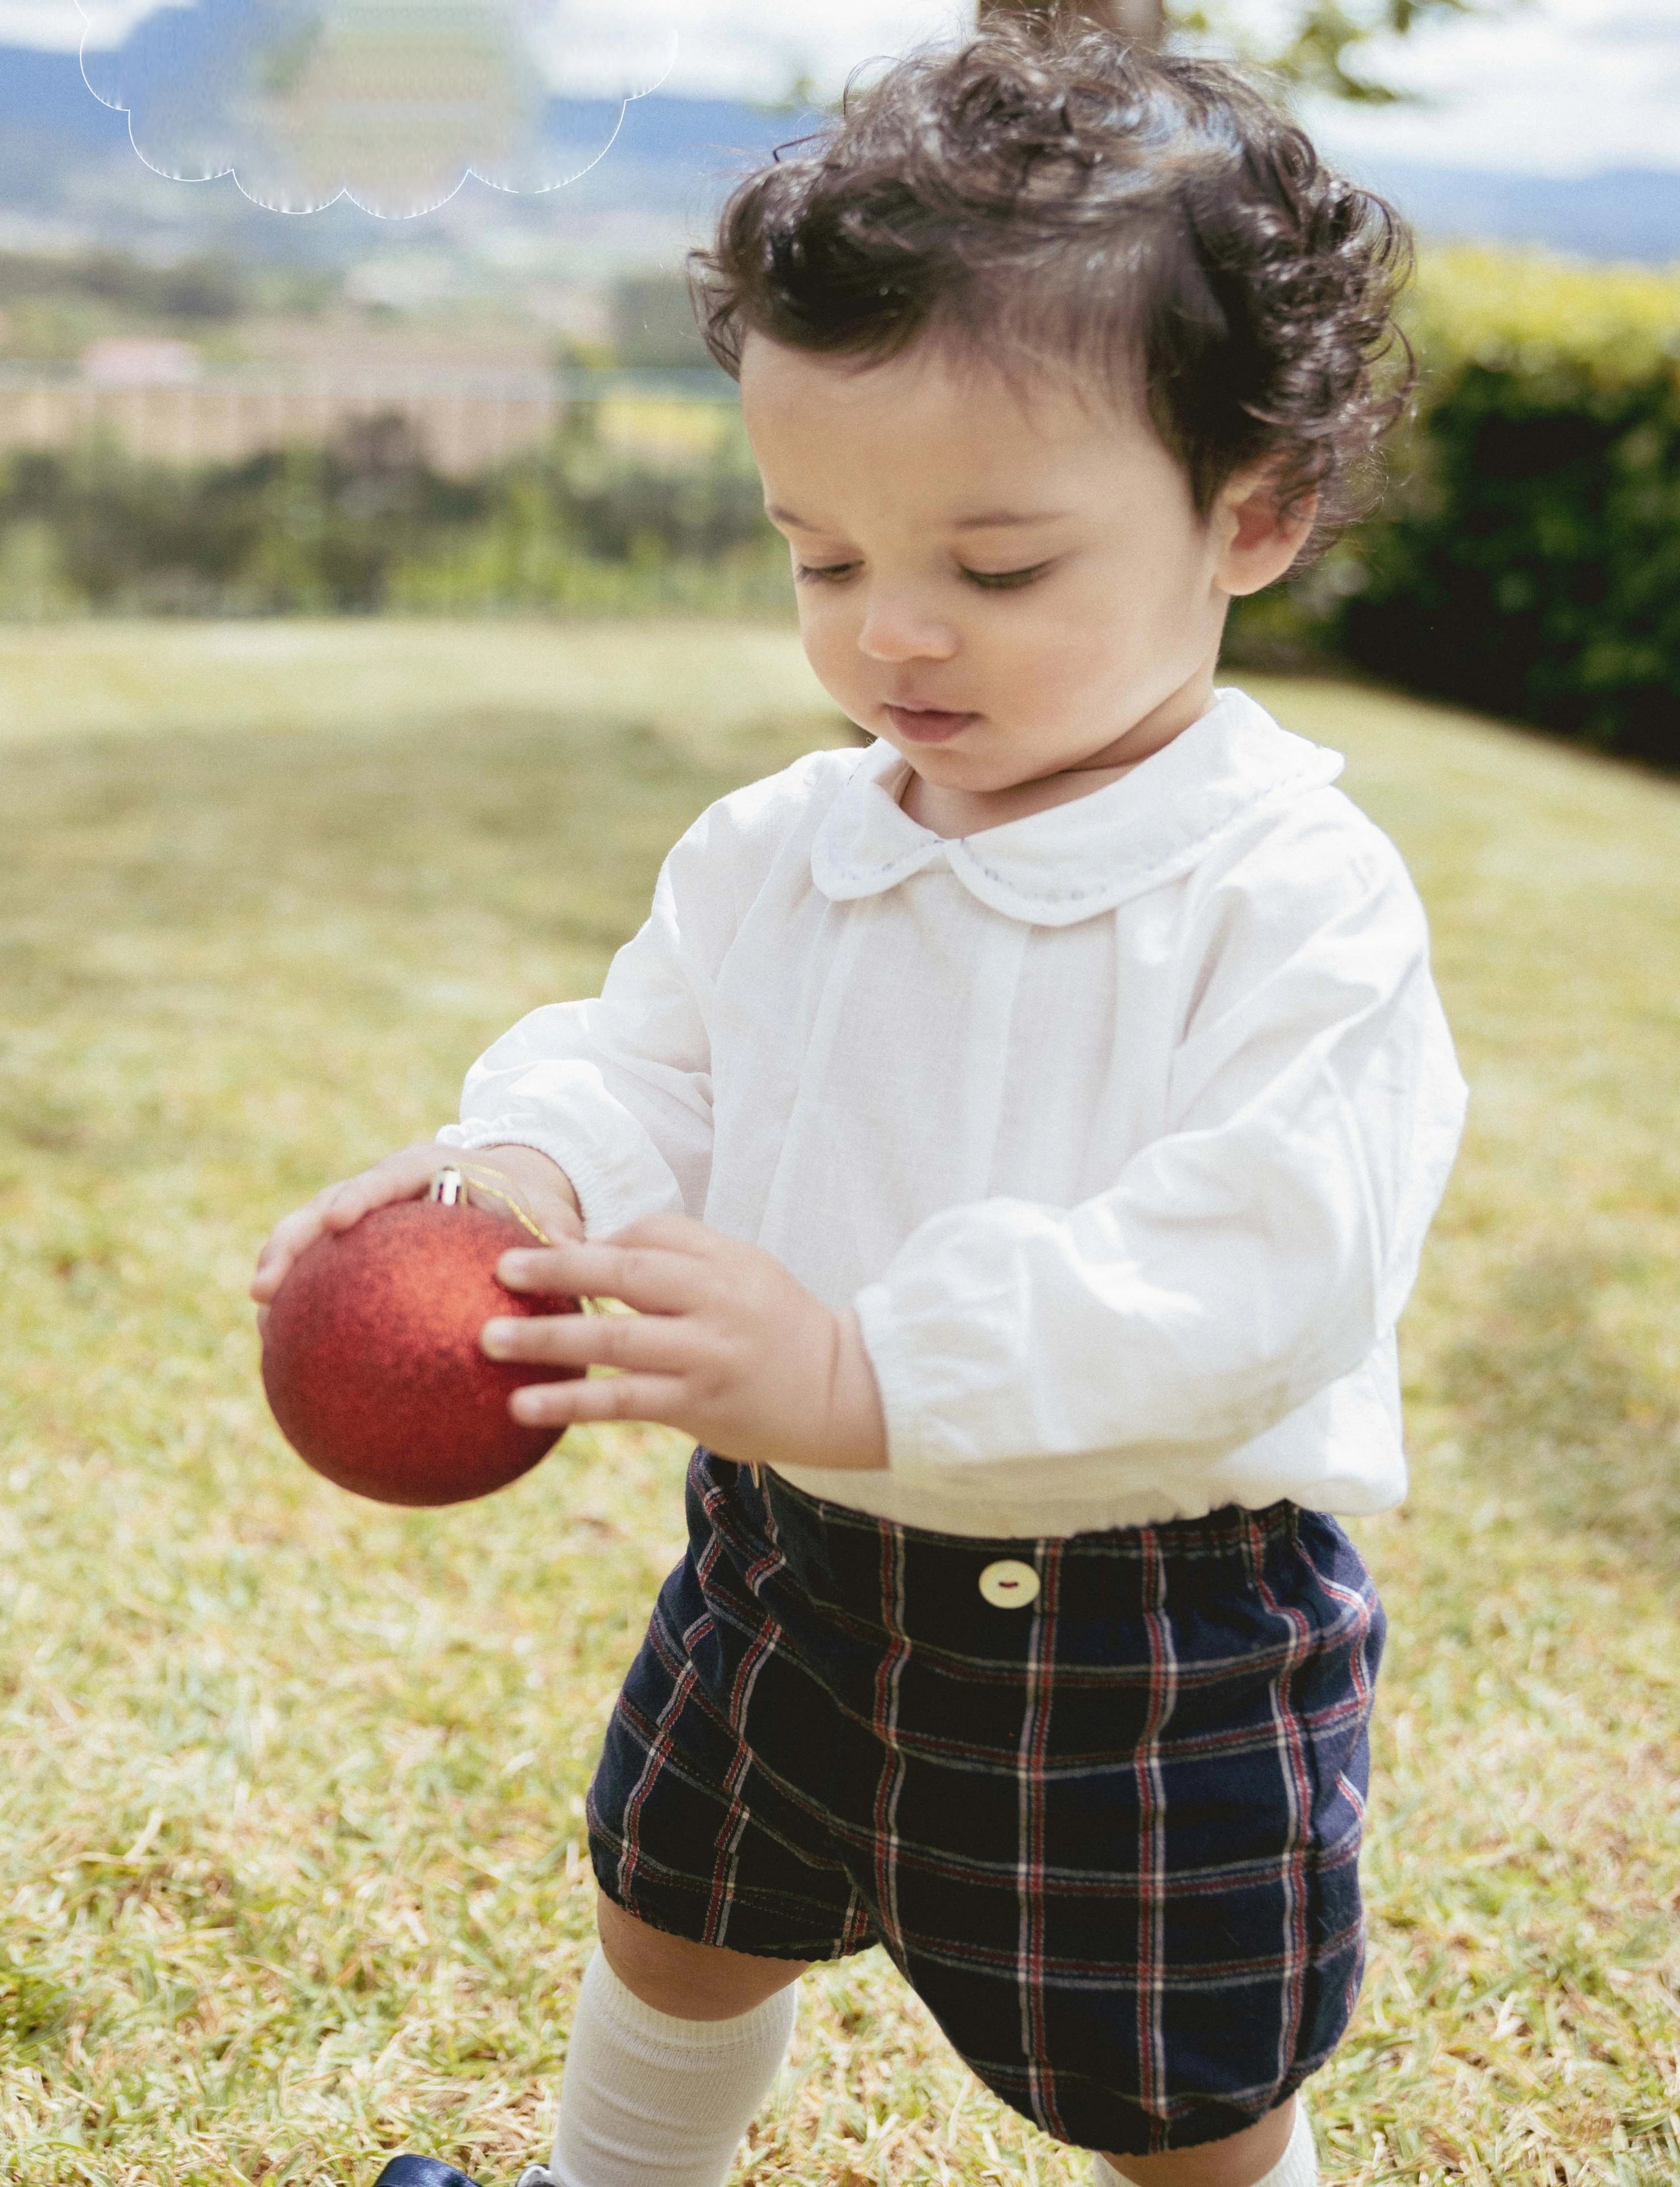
[(945, 762)]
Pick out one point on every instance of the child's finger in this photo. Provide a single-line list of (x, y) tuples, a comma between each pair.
[(284, 1242), (649, 1279), (289, 1235), (655, 1397), (674, 1234), (655, 1343), (399, 1176)]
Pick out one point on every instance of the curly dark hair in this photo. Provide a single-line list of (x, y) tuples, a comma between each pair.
[(1053, 197)]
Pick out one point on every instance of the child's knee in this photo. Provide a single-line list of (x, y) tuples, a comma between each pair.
[(689, 1981), (1278, 2146)]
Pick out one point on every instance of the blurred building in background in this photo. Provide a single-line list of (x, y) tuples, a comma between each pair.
[(152, 400)]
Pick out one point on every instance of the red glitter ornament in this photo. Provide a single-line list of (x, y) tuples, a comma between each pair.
[(371, 1357)]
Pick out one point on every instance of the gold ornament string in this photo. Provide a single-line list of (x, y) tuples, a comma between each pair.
[(479, 1181)]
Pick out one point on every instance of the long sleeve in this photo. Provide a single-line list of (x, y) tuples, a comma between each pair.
[(618, 1091), (1256, 1251)]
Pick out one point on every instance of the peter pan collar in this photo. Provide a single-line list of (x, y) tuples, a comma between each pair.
[(1077, 860)]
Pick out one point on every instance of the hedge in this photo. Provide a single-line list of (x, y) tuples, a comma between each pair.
[(1527, 559)]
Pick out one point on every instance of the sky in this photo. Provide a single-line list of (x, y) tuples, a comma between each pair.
[(1552, 86), (1548, 87)]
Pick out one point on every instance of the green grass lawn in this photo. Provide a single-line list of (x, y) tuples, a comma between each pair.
[(290, 1786)]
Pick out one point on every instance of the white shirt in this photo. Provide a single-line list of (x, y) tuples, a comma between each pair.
[(1120, 1125)]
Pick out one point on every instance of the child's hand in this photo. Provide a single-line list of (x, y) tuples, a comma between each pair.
[(723, 1344), (543, 1185)]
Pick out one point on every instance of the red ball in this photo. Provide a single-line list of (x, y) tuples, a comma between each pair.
[(371, 1357)]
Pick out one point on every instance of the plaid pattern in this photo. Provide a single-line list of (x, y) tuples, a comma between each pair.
[(1110, 1839)]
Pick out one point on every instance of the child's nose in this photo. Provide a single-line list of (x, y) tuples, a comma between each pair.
[(894, 630)]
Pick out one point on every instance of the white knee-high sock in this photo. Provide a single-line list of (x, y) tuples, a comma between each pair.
[(1298, 2166), (649, 2100)]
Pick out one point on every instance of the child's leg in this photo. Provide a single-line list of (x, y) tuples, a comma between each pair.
[(1276, 2151), (673, 2047), (691, 1981)]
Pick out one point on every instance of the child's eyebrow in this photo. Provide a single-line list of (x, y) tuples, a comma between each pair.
[(999, 520), (990, 519)]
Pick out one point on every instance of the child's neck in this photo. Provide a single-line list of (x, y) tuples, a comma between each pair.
[(949, 810)]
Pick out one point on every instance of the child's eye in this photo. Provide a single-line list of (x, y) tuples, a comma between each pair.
[(990, 581), (1005, 580)]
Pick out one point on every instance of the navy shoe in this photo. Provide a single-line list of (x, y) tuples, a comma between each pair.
[(422, 2171)]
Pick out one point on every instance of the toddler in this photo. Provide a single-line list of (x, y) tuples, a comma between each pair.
[(1016, 1139)]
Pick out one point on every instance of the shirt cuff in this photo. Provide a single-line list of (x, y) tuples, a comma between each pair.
[(616, 1170), (911, 1449)]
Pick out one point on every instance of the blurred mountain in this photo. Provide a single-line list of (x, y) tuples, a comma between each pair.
[(1619, 213), (69, 181)]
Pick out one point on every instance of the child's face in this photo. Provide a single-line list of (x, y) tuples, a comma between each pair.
[(1001, 581)]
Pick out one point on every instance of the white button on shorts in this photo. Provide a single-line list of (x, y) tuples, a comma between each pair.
[(1008, 1585)]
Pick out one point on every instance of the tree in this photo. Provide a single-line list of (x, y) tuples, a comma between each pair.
[(1132, 18), (1316, 46)]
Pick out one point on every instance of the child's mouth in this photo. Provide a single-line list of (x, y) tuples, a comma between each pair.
[(928, 725)]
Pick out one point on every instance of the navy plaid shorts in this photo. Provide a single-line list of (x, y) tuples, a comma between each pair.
[(1110, 1836)]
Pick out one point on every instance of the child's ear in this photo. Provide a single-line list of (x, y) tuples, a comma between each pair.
[(1259, 532)]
